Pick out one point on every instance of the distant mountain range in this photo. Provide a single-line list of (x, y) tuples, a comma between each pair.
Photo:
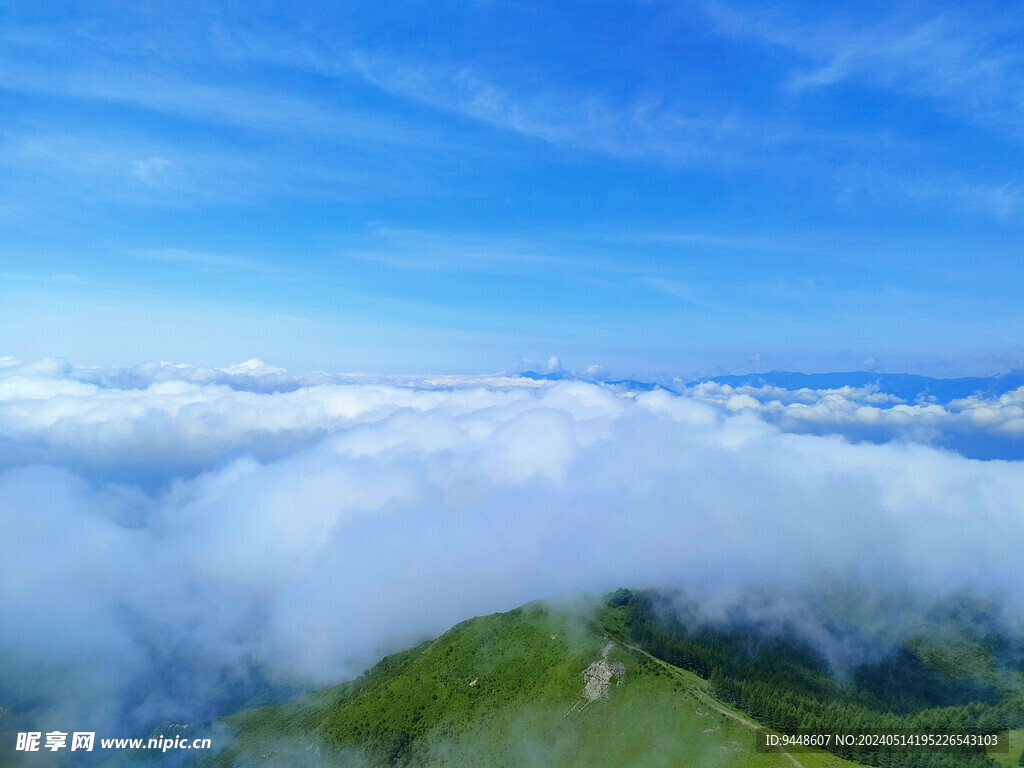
[(642, 386), (908, 386)]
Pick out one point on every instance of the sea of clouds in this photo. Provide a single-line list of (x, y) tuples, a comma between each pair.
[(175, 538), (978, 426)]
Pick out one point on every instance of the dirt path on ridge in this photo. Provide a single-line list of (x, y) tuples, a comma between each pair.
[(710, 701)]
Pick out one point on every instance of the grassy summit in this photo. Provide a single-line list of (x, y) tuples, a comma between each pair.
[(537, 686), (628, 682)]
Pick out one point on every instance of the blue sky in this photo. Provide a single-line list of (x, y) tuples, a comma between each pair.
[(652, 187)]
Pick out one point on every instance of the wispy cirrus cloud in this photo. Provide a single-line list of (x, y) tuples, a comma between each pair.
[(715, 134), (999, 198), (649, 123), (420, 249), (150, 169), (138, 168), (213, 262), (968, 66), (685, 292), (256, 107), (643, 127)]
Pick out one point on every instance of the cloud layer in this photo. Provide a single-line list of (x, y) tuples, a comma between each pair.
[(978, 426), (176, 537)]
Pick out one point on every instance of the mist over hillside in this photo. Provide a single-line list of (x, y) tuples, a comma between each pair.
[(182, 539)]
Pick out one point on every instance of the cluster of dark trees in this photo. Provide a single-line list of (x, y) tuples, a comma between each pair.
[(786, 685)]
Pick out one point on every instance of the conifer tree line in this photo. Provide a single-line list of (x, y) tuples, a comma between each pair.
[(787, 686)]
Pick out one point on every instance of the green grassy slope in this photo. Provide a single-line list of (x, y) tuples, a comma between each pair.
[(527, 708)]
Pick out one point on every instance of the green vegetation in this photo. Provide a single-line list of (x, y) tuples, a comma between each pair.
[(508, 690), (924, 685), (418, 708)]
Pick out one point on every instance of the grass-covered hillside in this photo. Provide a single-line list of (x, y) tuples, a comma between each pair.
[(538, 686), (626, 682)]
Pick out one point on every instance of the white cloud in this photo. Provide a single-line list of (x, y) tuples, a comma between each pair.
[(646, 127), (847, 408), (317, 521), (149, 170), (968, 66)]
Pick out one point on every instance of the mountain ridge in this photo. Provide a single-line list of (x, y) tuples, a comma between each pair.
[(542, 685)]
